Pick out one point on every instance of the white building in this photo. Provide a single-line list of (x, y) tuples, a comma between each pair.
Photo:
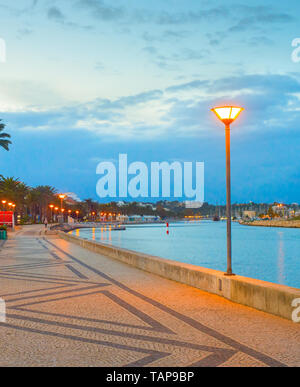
[(151, 218), (122, 218)]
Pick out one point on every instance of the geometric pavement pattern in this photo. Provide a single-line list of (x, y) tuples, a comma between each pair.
[(53, 277)]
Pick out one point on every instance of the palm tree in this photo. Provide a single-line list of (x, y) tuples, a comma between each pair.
[(40, 198), (13, 189), (3, 137)]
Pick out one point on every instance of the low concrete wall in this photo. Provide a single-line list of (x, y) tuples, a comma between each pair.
[(265, 296)]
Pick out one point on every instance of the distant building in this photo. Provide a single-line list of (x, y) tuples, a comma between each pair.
[(135, 218), (249, 214), (151, 218), (139, 204), (122, 218), (280, 209), (193, 204)]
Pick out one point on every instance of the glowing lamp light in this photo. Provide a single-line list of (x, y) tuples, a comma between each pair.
[(227, 114), (3, 201), (61, 196), (51, 206)]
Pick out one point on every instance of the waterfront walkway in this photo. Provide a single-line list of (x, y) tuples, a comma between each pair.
[(67, 306)]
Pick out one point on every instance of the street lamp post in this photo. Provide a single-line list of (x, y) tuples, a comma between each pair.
[(56, 209), (10, 206), (51, 207), (3, 209), (228, 114), (61, 196), (13, 219)]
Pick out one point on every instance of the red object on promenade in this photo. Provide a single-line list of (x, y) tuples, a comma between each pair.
[(7, 218)]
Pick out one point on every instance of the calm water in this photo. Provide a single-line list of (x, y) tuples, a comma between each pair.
[(269, 254)]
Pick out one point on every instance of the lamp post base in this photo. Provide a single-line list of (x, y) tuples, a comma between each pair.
[(229, 274)]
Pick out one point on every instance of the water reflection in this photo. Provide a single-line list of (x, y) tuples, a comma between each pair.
[(281, 256)]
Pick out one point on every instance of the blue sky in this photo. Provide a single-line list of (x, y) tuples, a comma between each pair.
[(85, 80)]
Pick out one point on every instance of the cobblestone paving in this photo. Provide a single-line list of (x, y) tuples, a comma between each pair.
[(67, 306)]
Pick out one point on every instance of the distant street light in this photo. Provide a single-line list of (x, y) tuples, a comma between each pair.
[(51, 207), (228, 114), (3, 208), (56, 209), (62, 197)]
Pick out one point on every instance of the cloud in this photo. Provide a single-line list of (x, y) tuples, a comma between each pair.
[(100, 10), (259, 17), (20, 11), (165, 36), (99, 66), (55, 14), (170, 61), (262, 83), (247, 15), (23, 32), (189, 85), (271, 102), (23, 95)]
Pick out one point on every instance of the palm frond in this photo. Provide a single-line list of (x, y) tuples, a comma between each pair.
[(4, 135), (5, 144)]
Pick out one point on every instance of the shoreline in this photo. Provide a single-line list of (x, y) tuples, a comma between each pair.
[(272, 223)]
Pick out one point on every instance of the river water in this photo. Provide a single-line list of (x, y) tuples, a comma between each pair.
[(269, 254)]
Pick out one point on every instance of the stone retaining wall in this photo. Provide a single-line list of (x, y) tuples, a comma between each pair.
[(273, 223), (265, 296)]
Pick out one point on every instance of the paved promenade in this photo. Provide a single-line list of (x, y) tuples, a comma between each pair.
[(67, 306)]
